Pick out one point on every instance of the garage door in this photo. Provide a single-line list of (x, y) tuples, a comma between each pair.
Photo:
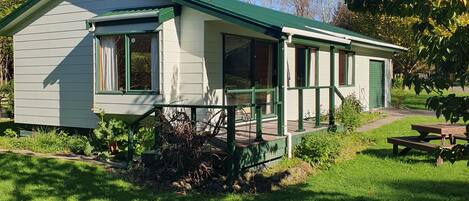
[(376, 84)]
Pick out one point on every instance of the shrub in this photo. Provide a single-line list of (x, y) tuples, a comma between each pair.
[(398, 96), (10, 133), (320, 150), (80, 145), (398, 82), (110, 134), (349, 113), (47, 141), (144, 140), (7, 94)]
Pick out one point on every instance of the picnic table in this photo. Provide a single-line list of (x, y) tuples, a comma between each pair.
[(428, 133)]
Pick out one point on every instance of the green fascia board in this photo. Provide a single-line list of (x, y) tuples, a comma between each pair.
[(130, 11), (232, 17), (270, 18), (168, 13), (4, 22)]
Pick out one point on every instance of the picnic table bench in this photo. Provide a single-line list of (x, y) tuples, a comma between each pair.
[(427, 133)]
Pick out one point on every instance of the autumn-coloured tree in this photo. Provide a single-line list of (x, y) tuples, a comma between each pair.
[(391, 29)]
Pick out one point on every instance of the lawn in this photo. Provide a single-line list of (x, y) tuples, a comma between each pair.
[(373, 175), (414, 101)]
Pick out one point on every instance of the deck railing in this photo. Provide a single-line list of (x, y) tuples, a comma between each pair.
[(317, 104)]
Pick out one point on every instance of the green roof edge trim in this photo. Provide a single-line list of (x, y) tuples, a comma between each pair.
[(16, 13)]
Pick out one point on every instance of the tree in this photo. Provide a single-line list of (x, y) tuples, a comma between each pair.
[(6, 48), (391, 29), (442, 35)]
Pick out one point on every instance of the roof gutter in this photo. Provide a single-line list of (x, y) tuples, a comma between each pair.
[(148, 14), (292, 31), (353, 38)]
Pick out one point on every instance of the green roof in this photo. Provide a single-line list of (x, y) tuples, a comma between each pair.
[(271, 18), (131, 11), (262, 19)]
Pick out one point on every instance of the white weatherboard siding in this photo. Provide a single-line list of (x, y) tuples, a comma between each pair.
[(54, 67)]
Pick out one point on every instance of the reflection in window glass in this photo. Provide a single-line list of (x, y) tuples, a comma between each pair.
[(142, 61)]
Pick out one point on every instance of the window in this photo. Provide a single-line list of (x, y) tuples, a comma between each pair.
[(305, 66), (128, 68), (346, 68)]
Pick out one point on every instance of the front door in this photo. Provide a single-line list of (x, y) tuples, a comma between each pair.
[(376, 84), (250, 73)]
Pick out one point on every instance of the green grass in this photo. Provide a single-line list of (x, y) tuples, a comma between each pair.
[(374, 174), (414, 101), (368, 117)]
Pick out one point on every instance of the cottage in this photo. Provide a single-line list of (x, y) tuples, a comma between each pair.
[(76, 57)]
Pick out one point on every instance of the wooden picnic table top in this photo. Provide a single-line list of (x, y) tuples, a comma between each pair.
[(442, 129)]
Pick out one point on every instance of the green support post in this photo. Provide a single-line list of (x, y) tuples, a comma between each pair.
[(300, 111), (194, 117), (332, 126), (253, 101), (259, 124), (318, 90), (281, 87), (318, 108), (230, 143), (130, 145), (158, 112)]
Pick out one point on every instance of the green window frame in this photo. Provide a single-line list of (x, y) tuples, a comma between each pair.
[(346, 68), (127, 89)]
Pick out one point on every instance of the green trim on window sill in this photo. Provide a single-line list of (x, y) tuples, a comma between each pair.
[(127, 93)]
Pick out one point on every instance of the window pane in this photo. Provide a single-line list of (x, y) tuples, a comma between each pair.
[(342, 73), (237, 62), (141, 61), (111, 63), (300, 69)]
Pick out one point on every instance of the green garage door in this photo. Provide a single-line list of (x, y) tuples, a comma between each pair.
[(376, 84)]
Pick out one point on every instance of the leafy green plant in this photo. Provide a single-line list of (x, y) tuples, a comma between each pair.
[(110, 134), (398, 94), (320, 150), (144, 140), (80, 145), (10, 133), (349, 113)]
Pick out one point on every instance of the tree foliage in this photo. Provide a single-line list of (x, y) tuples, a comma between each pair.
[(392, 29), (441, 35), (6, 48)]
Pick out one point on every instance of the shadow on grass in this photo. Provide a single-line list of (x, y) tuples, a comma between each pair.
[(37, 178), (301, 192), (431, 190), (411, 157)]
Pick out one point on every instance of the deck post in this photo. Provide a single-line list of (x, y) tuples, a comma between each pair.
[(194, 117), (332, 126), (130, 146), (230, 143), (158, 126), (318, 90), (258, 124), (281, 87), (300, 111)]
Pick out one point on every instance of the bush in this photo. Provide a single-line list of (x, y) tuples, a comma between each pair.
[(7, 94), (349, 113), (144, 140), (10, 133), (320, 150), (48, 141), (110, 134), (80, 145), (398, 96)]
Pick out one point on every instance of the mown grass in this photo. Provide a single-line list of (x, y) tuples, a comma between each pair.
[(413, 101), (373, 174)]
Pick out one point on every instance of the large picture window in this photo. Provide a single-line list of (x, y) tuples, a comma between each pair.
[(346, 68), (128, 63), (305, 66)]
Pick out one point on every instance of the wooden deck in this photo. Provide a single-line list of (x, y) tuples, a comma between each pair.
[(246, 133)]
